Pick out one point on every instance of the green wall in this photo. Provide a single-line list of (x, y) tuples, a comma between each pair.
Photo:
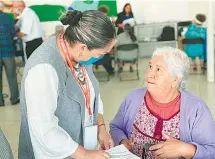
[(111, 4), (48, 12)]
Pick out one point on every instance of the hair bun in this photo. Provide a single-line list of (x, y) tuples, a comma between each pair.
[(71, 18)]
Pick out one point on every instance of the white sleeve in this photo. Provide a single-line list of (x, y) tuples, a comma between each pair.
[(26, 24), (100, 107), (18, 23), (41, 93), (184, 31)]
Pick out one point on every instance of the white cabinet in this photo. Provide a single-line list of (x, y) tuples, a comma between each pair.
[(147, 35)]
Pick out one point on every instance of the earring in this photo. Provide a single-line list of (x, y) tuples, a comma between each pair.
[(80, 54)]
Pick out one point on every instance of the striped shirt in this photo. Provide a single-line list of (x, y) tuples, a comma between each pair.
[(7, 33)]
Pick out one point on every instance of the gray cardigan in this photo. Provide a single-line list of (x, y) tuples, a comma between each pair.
[(71, 104), (5, 150)]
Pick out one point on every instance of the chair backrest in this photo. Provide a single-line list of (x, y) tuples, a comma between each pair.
[(5, 150), (182, 25), (126, 49)]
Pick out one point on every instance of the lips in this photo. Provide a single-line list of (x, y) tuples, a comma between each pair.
[(150, 82)]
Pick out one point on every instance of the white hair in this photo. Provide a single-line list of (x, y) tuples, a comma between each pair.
[(1, 5), (178, 63)]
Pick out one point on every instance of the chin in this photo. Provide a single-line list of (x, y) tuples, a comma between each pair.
[(150, 86)]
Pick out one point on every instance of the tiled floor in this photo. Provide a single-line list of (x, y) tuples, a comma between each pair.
[(113, 92)]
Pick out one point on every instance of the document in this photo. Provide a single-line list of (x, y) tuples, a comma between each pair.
[(129, 21), (121, 152)]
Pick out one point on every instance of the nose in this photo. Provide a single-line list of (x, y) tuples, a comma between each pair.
[(151, 73)]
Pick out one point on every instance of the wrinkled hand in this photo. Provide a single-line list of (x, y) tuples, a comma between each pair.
[(127, 143), (105, 139), (99, 154), (173, 149)]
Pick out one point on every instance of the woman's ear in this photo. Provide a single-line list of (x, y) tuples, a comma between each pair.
[(81, 49), (176, 82)]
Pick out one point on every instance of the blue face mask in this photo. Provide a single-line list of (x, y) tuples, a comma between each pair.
[(90, 61)]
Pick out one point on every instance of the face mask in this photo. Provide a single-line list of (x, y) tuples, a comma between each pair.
[(17, 11), (91, 61)]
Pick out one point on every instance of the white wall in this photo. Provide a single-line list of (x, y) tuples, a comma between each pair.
[(145, 11), (197, 6), (148, 11)]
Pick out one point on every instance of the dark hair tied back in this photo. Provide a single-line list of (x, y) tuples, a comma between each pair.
[(71, 18)]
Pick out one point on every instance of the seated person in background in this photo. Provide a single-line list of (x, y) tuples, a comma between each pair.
[(59, 29), (130, 31), (124, 15), (106, 61), (177, 122), (196, 30)]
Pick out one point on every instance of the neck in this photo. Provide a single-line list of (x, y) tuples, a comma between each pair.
[(165, 97), (63, 54)]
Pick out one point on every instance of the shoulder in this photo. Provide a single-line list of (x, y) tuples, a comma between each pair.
[(136, 94), (45, 75), (133, 100), (193, 103), (48, 47), (120, 14), (190, 26), (45, 71), (28, 12), (6, 16), (47, 53)]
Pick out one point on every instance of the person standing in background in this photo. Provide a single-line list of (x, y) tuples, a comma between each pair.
[(29, 26), (7, 49), (196, 30)]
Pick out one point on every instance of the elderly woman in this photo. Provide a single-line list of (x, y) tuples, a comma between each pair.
[(176, 123)]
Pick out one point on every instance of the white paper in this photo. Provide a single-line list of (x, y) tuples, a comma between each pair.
[(121, 152), (130, 21), (90, 138)]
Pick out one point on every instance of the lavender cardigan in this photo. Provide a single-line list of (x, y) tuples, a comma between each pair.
[(196, 123)]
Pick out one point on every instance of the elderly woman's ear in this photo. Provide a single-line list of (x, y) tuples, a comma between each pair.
[(176, 82)]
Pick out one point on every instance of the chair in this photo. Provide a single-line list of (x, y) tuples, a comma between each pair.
[(182, 25), (102, 74), (5, 150), (128, 52)]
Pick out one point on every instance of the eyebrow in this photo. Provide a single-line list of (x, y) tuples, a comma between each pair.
[(156, 65), (159, 66)]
